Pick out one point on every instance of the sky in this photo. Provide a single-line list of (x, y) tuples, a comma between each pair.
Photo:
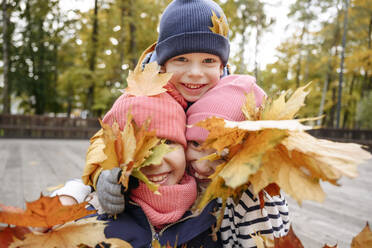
[(279, 31)]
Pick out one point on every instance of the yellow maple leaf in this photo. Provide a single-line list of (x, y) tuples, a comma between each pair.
[(248, 160), (363, 239), (130, 149), (280, 109), (147, 82), (85, 232), (249, 109), (219, 25)]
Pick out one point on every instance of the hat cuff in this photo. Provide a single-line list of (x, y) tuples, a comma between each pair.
[(193, 42)]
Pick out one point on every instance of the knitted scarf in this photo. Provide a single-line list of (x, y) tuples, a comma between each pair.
[(168, 207)]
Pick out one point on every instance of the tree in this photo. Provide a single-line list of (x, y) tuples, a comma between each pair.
[(6, 55)]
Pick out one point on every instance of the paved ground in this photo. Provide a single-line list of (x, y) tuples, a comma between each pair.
[(28, 167)]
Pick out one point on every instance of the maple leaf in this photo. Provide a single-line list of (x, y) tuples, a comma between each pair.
[(8, 235), (85, 232), (130, 149), (288, 241), (363, 239), (45, 212), (219, 25), (148, 82)]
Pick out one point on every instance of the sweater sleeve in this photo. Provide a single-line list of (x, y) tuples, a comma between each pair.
[(74, 188), (246, 218)]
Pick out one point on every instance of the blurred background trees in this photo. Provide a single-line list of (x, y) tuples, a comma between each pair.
[(74, 63)]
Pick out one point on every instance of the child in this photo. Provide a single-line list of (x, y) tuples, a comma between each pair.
[(148, 216), (188, 48), (245, 218), (195, 55)]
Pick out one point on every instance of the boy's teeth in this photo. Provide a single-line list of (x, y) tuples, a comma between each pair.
[(193, 86), (158, 178)]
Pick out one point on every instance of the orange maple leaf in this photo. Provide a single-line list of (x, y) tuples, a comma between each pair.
[(288, 241), (45, 212), (8, 234), (363, 239)]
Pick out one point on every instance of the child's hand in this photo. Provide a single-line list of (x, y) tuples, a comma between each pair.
[(109, 191), (67, 200)]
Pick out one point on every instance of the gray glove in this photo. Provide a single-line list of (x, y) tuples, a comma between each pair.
[(109, 191)]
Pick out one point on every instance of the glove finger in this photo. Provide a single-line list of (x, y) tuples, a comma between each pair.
[(113, 189), (113, 176)]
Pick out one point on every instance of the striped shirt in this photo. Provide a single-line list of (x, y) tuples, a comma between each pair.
[(246, 218)]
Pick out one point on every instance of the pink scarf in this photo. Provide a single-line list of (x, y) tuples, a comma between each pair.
[(175, 94), (168, 207)]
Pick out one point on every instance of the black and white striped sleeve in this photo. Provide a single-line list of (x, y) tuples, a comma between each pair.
[(245, 218)]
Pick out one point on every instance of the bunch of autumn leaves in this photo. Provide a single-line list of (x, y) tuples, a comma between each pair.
[(272, 151)]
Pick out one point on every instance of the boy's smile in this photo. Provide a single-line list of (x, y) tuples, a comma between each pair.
[(172, 168), (194, 73), (201, 170)]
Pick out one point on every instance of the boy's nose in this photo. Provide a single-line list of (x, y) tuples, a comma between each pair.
[(195, 70)]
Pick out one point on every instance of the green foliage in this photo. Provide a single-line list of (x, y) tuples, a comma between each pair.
[(51, 69), (364, 112)]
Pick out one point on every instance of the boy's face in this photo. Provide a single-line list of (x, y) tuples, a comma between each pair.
[(172, 168), (201, 170), (194, 73)]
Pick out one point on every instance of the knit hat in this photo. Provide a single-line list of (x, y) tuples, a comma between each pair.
[(223, 101), (185, 28), (167, 116)]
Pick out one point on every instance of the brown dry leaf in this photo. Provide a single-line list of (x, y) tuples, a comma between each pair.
[(148, 82), (219, 25), (88, 232), (45, 212), (363, 239), (288, 241)]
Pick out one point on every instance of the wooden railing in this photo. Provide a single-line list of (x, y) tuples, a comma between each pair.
[(32, 126)]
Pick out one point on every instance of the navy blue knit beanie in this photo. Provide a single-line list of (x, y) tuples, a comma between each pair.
[(185, 27)]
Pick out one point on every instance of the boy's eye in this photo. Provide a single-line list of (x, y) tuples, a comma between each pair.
[(195, 144), (169, 142), (181, 59), (209, 60)]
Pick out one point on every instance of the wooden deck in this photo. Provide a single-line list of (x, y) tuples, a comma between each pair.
[(30, 166)]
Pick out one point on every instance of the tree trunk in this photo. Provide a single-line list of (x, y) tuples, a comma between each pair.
[(132, 32), (123, 15), (299, 61), (258, 36), (342, 65), (92, 60), (6, 55)]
